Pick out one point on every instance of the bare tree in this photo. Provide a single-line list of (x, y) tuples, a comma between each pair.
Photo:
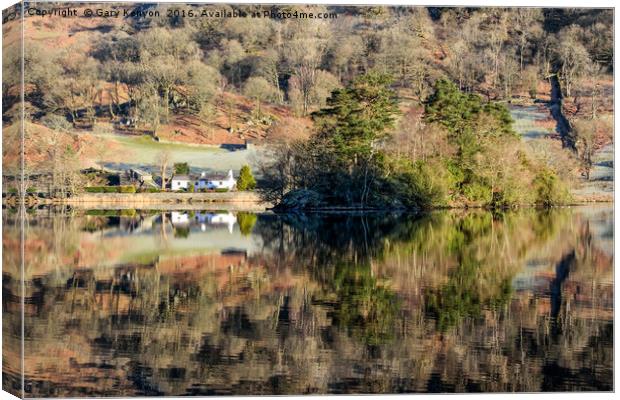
[(583, 131), (526, 23), (573, 56), (304, 53), (592, 75), (163, 160), (259, 89), (208, 113), (498, 34), (269, 67), (62, 156)]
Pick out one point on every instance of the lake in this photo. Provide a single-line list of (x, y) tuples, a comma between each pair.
[(147, 302)]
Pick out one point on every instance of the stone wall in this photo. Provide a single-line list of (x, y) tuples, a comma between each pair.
[(96, 200)]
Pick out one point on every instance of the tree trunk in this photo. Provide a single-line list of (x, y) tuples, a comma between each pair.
[(117, 99), (163, 177), (111, 107), (166, 102)]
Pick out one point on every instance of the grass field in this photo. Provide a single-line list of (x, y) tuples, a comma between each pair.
[(527, 123), (142, 152)]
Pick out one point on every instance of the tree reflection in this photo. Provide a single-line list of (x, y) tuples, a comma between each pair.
[(340, 303)]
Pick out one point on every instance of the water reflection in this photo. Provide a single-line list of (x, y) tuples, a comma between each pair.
[(182, 220), (123, 303)]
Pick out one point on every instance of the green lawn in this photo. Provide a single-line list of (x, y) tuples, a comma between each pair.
[(143, 151)]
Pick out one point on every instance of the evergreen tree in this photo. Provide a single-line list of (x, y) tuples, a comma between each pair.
[(358, 116), (460, 112), (349, 130), (475, 129), (451, 107), (246, 180), (181, 169)]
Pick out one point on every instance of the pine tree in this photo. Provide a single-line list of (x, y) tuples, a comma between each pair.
[(246, 180), (350, 131), (358, 116)]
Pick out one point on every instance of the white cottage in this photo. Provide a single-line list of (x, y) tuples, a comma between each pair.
[(216, 181), (180, 182)]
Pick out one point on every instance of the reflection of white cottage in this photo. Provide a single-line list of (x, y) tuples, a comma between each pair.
[(216, 181), (180, 182), (228, 219), (179, 218), (202, 217)]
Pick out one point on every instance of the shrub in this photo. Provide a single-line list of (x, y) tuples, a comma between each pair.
[(478, 192), (127, 189), (221, 190), (181, 232), (246, 222), (550, 190), (420, 185), (96, 213), (110, 189), (31, 190), (130, 212)]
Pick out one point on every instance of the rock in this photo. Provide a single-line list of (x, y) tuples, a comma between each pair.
[(300, 199)]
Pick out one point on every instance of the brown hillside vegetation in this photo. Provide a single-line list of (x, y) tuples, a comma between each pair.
[(189, 128), (41, 141), (416, 45), (78, 36)]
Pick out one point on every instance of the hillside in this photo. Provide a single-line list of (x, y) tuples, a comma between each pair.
[(231, 118), (60, 36)]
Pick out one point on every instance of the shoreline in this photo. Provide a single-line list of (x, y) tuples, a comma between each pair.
[(244, 201), (168, 200)]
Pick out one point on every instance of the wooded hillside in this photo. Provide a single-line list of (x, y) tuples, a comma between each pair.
[(153, 68), (213, 80)]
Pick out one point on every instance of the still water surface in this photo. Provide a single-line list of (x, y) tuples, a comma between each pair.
[(201, 302)]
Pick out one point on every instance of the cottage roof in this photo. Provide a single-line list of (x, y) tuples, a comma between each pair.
[(202, 177), (213, 178)]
